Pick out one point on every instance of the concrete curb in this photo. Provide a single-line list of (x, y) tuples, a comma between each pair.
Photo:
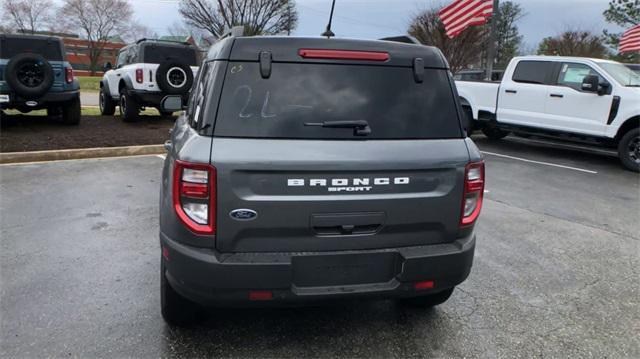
[(74, 154)]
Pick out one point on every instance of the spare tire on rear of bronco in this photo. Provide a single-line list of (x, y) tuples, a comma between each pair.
[(29, 75), (174, 77)]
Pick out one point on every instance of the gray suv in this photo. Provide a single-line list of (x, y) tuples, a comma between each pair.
[(307, 169)]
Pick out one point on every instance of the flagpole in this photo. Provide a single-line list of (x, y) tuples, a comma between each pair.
[(491, 46)]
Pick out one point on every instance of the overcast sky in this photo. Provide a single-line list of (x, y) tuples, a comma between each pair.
[(379, 18)]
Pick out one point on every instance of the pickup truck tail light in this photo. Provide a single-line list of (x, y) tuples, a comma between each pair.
[(68, 75), (194, 196), (139, 76), (473, 193)]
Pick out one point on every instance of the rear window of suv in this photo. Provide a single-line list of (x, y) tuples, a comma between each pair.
[(388, 98), (154, 54), (50, 50)]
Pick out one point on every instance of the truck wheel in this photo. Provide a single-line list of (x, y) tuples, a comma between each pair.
[(176, 310), (29, 75), (107, 105), (129, 108), (71, 112), (629, 150), (468, 120), (493, 132), (428, 301)]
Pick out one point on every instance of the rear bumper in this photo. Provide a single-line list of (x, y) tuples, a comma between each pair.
[(16, 101), (151, 98), (211, 278)]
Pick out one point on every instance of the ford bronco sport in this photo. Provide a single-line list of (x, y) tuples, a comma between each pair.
[(34, 75), (307, 169), (145, 72)]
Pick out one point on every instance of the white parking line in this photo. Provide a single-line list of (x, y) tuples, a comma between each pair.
[(539, 162), (161, 156)]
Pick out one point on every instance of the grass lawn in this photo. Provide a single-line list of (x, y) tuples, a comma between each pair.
[(86, 111), (89, 83)]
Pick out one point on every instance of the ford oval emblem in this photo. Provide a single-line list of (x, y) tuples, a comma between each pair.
[(243, 214)]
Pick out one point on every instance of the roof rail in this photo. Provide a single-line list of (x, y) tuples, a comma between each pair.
[(407, 39), (232, 32)]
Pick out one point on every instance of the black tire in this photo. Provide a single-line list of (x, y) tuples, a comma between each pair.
[(468, 120), (176, 310), (129, 107), (428, 301), (174, 77), (106, 103), (72, 112), (629, 150), (493, 132), (29, 75)]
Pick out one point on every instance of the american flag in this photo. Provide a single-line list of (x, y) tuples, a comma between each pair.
[(630, 40), (464, 13)]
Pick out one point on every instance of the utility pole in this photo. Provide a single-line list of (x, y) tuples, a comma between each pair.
[(491, 46)]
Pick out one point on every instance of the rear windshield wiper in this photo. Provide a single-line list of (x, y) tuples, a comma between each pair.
[(360, 127)]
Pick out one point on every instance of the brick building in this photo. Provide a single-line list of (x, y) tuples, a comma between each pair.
[(77, 51)]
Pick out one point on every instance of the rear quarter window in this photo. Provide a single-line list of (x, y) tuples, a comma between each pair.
[(388, 98), (533, 72), (49, 49)]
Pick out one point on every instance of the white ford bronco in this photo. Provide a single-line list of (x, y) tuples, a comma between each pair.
[(144, 73), (569, 98)]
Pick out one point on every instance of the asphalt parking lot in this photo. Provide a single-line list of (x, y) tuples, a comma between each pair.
[(555, 274)]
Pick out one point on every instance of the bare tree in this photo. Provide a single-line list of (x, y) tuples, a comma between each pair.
[(28, 16), (97, 20), (462, 51), (574, 43), (259, 17), (137, 31)]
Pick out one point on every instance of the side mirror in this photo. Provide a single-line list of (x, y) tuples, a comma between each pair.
[(590, 83), (171, 103), (107, 66)]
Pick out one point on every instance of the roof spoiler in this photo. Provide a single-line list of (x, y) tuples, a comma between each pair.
[(160, 40), (232, 32), (407, 39)]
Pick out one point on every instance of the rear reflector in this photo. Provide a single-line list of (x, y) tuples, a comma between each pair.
[(343, 55), (194, 196), (165, 253), (260, 295), (427, 284)]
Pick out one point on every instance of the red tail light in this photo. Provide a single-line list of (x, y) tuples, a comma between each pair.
[(343, 55), (194, 196), (68, 75), (139, 76), (473, 193)]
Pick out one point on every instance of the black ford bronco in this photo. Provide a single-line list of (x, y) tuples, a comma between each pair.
[(307, 169), (34, 75)]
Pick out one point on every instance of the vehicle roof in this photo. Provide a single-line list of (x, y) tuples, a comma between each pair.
[(285, 49), (561, 58), (164, 43), (30, 37)]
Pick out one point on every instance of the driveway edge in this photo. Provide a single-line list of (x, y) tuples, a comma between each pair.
[(80, 153)]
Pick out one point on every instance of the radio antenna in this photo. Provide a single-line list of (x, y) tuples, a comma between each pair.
[(328, 33)]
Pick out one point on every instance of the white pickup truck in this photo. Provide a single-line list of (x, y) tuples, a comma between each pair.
[(570, 98)]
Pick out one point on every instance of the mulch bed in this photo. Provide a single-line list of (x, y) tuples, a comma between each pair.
[(37, 133)]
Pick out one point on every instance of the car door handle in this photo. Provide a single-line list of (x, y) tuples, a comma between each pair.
[(510, 91), (556, 95)]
